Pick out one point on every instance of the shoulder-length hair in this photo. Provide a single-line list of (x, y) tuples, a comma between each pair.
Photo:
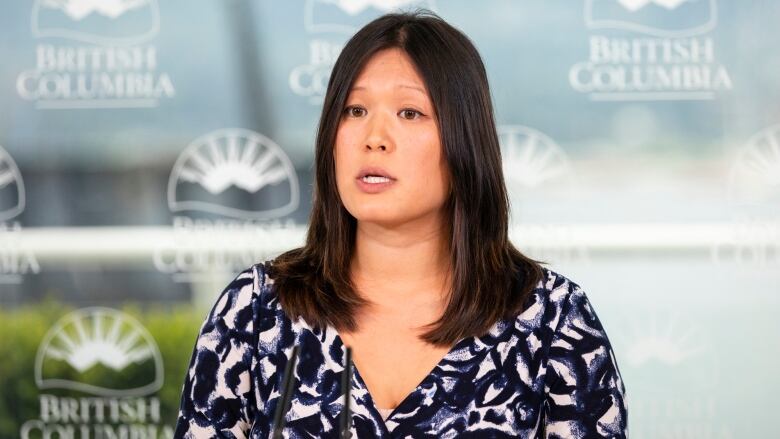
[(491, 279)]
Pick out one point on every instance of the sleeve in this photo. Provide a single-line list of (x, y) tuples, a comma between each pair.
[(217, 397), (585, 395)]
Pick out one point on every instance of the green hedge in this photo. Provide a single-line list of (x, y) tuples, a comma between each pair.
[(22, 331)]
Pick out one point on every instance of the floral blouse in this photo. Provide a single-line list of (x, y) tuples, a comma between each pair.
[(548, 373)]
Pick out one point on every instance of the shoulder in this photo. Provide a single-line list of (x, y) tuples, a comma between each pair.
[(585, 390), (252, 286), (559, 320), (246, 303), (554, 297), (569, 332)]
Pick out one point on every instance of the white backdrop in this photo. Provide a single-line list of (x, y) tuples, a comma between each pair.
[(151, 149)]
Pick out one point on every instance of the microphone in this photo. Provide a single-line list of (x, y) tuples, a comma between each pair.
[(346, 385), (284, 400), (287, 388)]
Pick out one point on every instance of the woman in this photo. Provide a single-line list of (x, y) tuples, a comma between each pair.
[(453, 332)]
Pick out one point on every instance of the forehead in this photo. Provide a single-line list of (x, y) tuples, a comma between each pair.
[(389, 67)]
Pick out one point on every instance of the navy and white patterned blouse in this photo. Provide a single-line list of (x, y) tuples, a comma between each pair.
[(548, 373)]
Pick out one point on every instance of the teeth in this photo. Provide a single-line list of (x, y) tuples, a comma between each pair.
[(375, 179)]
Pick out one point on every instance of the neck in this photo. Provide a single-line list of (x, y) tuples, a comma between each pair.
[(413, 260)]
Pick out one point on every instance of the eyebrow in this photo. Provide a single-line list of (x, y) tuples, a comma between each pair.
[(412, 87)]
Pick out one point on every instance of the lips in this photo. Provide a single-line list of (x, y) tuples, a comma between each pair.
[(374, 171), (374, 180)]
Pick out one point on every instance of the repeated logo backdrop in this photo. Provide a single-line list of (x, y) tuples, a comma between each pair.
[(150, 150)]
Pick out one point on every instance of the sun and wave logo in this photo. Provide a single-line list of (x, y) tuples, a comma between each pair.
[(12, 198), (538, 176), (753, 197), (231, 191), (116, 68), (530, 157), (660, 18), (668, 352), (329, 22), (93, 350), (662, 348), (754, 178), (102, 22), (672, 366), (671, 57), (346, 16), (15, 259), (236, 173)]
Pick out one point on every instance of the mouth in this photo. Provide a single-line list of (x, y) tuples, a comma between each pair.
[(374, 175), (374, 180)]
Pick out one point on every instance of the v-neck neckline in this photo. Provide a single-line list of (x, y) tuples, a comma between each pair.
[(487, 340), (358, 378)]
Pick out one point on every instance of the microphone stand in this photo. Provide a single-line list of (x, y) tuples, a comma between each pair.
[(287, 388)]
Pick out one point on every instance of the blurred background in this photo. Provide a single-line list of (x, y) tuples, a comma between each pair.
[(152, 149)]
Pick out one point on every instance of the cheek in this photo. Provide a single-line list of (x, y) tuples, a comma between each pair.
[(429, 166), (341, 154), (427, 150)]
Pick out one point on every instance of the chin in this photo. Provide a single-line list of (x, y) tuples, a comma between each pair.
[(376, 217)]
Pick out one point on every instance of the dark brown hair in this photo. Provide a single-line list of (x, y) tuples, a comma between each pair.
[(491, 279)]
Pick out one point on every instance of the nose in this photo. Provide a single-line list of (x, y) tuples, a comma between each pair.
[(378, 136)]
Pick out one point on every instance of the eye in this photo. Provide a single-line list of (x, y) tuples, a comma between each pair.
[(354, 111), (410, 114)]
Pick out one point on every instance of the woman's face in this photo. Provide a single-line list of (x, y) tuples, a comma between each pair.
[(390, 169)]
